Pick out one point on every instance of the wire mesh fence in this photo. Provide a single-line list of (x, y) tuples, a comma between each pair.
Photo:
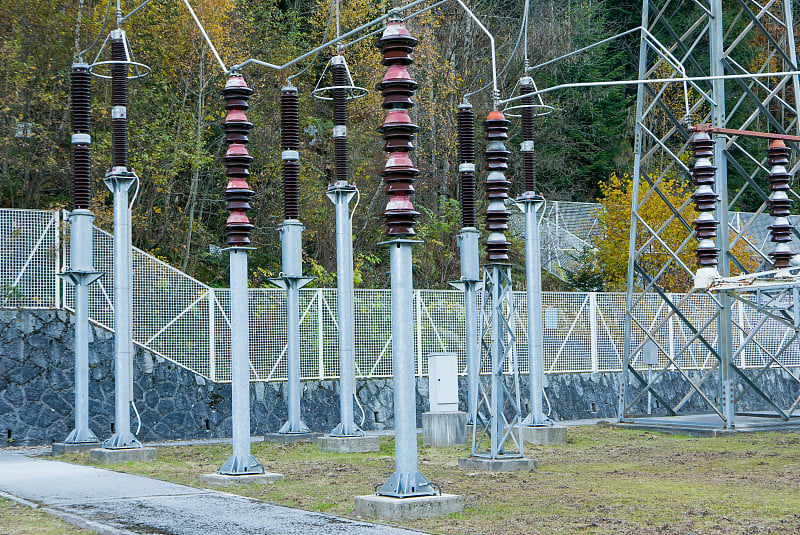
[(188, 322)]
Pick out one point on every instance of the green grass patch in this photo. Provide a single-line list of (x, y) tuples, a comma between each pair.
[(604, 480)]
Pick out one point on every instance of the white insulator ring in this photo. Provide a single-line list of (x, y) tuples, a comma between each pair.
[(290, 155), (81, 139)]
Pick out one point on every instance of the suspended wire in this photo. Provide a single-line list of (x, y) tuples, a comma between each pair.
[(100, 33), (334, 4), (503, 70)]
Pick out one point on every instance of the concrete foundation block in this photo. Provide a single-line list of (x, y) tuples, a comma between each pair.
[(291, 438), (498, 465), (544, 435), (62, 448), (372, 506), (349, 444), (223, 480), (444, 428), (135, 455)]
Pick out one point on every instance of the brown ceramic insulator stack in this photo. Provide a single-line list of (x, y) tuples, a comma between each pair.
[(496, 126), (340, 82), (528, 156), (119, 100), (466, 169), (397, 89), (779, 203), (80, 83), (290, 143), (705, 200), (237, 162)]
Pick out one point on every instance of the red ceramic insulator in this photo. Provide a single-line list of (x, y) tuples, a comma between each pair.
[(397, 89), (496, 127), (237, 162), (779, 202), (466, 155), (705, 200), (528, 156), (119, 97), (290, 141), (80, 84)]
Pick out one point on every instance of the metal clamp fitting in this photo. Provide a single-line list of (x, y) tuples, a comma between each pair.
[(526, 146), (81, 139), (340, 130), (466, 168), (119, 112), (290, 155)]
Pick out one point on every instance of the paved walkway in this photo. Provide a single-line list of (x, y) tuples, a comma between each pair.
[(121, 504)]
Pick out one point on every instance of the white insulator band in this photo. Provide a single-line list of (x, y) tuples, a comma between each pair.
[(119, 112), (526, 146), (466, 168), (290, 155), (340, 130), (81, 139)]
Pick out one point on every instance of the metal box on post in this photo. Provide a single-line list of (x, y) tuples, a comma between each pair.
[(443, 382)]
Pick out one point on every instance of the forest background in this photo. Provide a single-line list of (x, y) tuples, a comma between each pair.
[(176, 138)]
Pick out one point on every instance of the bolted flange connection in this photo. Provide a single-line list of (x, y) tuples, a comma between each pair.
[(496, 126), (237, 162), (80, 84), (397, 89), (290, 143), (466, 166), (779, 203), (705, 200)]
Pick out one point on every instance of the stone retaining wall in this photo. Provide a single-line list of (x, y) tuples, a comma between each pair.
[(36, 390)]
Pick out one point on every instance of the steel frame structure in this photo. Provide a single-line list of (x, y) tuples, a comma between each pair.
[(708, 40)]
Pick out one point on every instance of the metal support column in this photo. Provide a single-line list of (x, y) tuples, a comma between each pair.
[(470, 283), (81, 274), (241, 462), (119, 180), (291, 280), (340, 194), (406, 481), (718, 118), (531, 205)]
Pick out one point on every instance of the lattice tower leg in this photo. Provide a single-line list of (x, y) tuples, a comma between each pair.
[(497, 399)]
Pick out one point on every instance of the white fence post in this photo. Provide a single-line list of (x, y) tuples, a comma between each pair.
[(320, 334), (60, 260), (212, 337), (593, 349), (418, 334)]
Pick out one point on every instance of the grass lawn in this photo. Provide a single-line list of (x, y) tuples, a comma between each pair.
[(603, 480), (18, 519)]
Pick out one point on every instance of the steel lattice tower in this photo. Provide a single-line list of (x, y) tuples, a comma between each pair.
[(733, 46)]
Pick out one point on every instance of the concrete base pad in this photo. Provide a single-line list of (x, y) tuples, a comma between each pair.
[(444, 428), (349, 444), (498, 465), (222, 480), (290, 438), (62, 448), (544, 435), (105, 456), (372, 506)]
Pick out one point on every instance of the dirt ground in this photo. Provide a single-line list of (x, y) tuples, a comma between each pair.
[(603, 480)]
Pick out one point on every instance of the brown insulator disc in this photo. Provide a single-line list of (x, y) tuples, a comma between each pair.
[(497, 186), (705, 200), (80, 84), (397, 89), (237, 162), (290, 141), (119, 97)]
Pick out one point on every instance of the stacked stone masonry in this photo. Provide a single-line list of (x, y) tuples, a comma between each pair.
[(36, 391)]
